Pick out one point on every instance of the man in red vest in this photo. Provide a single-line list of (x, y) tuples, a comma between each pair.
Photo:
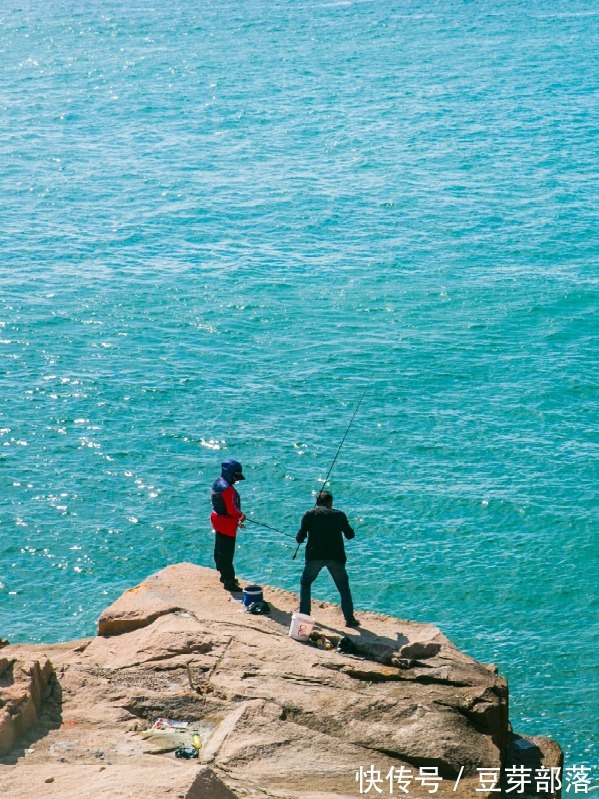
[(226, 518)]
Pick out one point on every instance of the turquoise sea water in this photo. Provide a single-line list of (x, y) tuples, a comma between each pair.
[(218, 221)]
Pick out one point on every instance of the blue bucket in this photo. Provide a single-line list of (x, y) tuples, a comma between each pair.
[(252, 593)]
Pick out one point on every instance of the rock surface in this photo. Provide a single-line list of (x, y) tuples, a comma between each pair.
[(277, 718)]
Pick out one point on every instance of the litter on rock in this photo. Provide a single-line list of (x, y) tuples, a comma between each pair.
[(167, 736), (186, 752), (169, 724)]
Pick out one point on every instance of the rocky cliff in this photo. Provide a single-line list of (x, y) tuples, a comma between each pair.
[(273, 717)]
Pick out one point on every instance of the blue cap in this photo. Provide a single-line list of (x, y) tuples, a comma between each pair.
[(231, 470)]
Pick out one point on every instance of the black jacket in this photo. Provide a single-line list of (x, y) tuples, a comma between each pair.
[(325, 528)]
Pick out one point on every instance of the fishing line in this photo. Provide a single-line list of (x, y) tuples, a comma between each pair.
[(326, 479), (274, 529)]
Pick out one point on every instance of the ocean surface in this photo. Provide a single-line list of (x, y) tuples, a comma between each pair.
[(219, 221)]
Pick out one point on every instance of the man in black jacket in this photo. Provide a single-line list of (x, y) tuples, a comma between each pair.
[(325, 527)]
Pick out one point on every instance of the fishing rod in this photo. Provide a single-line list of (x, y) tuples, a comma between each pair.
[(351, 421), (274, 529)]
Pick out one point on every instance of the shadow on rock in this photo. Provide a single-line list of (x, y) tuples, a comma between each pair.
[(50, 718)]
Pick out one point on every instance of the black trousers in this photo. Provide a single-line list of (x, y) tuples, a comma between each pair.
[(224, 549), (337, 571)]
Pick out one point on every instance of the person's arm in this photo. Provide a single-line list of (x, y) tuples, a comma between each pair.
[(347, 529), (303, 531), (229, 500)]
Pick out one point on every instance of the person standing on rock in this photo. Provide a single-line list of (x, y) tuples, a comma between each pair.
[(226, 517), (324, 526)]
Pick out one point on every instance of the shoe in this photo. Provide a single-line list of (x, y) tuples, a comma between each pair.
[(233, 586), (352, 623)]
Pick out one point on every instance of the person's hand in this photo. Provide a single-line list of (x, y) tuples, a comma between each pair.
[(299, 538), (350, 534), (243, 517)]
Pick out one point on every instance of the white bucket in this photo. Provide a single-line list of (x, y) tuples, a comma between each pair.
[(301, 626)]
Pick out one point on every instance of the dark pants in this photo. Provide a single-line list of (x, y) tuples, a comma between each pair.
[(224, 549), (337, 571)]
